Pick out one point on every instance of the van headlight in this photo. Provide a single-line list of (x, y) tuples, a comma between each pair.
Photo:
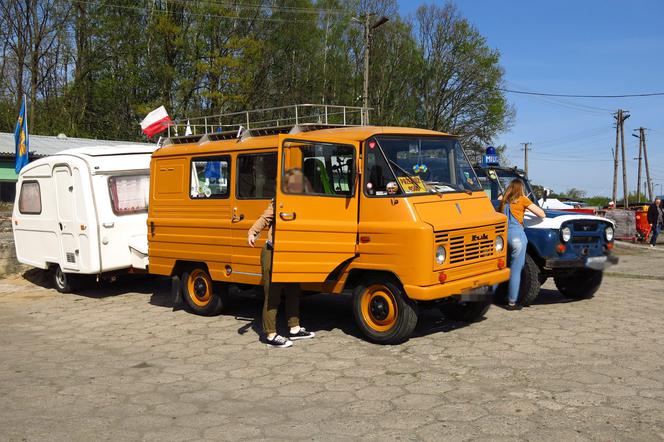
[(441, 254), (608, 233), (500, 243), (566, 234)]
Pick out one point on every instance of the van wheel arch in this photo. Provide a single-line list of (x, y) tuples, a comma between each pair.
[(356, 276), (195, 276)]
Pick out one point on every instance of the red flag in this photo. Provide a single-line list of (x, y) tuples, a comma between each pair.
[(156, 122)]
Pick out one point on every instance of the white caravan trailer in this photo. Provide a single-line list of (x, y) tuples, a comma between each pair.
[(83, 212)]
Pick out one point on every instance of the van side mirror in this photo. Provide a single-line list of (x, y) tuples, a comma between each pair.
[(547, 192)]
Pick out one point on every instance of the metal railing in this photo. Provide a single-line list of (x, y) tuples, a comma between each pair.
[(273, 117)]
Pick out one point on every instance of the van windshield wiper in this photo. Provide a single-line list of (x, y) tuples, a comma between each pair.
[(453, 186)]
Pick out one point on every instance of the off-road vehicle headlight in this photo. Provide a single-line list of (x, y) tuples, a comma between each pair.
[(566, 234), (608, 233)]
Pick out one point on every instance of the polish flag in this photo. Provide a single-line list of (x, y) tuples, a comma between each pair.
[(156, 122)]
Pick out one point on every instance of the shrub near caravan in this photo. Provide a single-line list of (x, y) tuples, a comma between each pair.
[(395, 216), (83, 212)]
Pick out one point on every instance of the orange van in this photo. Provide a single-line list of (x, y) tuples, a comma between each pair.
[(394, 216)]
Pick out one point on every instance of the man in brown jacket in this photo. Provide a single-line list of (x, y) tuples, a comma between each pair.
[(294, 180)]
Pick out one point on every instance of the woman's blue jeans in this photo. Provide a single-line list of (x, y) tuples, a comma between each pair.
[(517, 243)]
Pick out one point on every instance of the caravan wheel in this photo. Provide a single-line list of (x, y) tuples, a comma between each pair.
[(63, 282)]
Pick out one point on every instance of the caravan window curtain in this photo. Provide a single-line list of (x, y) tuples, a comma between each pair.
[(129, 194)]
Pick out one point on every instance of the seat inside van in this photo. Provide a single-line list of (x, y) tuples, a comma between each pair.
[(316, 173)]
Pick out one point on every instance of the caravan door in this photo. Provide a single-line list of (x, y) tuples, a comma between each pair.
[(66, 228)]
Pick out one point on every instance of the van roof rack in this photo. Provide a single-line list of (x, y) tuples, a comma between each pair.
[(268, 121)]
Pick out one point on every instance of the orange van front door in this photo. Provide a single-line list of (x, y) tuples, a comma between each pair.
[(316, 208)]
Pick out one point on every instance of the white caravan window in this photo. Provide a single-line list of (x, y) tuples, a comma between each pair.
[(129, 194), (29, 202)]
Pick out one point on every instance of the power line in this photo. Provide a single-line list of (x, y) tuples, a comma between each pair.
[(545, 94), (581, 107)]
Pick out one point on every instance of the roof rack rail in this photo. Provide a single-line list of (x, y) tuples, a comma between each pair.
[(268, 121)]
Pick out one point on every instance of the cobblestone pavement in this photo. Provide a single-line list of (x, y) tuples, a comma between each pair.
[(119, 364)]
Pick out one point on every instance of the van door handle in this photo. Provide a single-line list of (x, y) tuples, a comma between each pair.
[(60, 224), (287, 216), (108, 225), (237, 218)]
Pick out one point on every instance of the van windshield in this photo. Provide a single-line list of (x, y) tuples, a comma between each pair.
[(417, 165)]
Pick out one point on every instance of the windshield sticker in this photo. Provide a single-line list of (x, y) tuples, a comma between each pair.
[(412, 184), (392, 188), (420, 168)]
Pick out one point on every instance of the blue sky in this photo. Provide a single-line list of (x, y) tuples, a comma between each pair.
[(577, 47)]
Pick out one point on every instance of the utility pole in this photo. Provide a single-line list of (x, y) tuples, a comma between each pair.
[(368, 27), (647, 185), (645, 156), (618, 117), (624, 164), (367, 48), (638, 178), (525, 156)]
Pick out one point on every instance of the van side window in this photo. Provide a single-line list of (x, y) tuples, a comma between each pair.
[(129, 194), (256, 176), (209, 177), (378, 174), (29, 202), (318, 169)]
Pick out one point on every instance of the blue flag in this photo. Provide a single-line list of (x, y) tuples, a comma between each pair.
[(21, 138)]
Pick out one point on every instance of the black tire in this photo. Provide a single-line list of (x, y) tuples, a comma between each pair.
[(579, 284), (382, 311), (465, 311), (199, 292), (65, 282), (530, 282), (529, 288)]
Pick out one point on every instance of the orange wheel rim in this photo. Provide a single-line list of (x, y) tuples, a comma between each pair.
[(199, 287), (379, 308)]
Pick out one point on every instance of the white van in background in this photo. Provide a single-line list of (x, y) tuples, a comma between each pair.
[(83, 212)]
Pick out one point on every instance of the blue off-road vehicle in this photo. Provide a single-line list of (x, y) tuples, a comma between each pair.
[(573, 248)]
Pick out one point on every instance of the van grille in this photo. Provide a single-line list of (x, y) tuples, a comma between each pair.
[(467, 245)]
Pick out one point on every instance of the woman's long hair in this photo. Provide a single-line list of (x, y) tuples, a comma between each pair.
[(512, 194)]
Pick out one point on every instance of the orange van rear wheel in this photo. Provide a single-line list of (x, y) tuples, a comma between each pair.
[(198, 292), (382, 311)]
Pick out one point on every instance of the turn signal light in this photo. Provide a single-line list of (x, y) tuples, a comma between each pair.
[(609, 246), (501, 263), (561, 248), (442, 277)]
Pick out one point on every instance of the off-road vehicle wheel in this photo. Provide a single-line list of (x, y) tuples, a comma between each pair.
[(579, 284)]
